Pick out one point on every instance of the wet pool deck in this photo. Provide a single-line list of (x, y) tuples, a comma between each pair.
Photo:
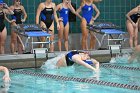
[(28, 60)]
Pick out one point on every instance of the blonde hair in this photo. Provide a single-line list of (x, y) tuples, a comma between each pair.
[(82, 2)]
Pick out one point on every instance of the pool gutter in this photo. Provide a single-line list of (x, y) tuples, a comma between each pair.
[(28, 60)]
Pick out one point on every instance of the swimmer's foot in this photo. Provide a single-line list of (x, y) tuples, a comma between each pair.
[(132, 48)]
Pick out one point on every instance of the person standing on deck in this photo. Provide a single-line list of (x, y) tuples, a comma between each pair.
[(64, 8), (87, 8), (18, 10), (133, 18), (47, 11), (4, 9)]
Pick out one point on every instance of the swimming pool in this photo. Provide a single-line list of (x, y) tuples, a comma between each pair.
[(113, 78)]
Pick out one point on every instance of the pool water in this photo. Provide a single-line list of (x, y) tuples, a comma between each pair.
[(22, 83)]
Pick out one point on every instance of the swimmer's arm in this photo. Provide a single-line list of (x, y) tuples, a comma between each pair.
[(8, 10), (74, 12), (56, 17), (78, 11), (7, 19), (97, 0), (58, 7), (96, 63), (79, 61), (131, 13), (71, 8), (39, 9), (138, 21), (97, 12), (24, 13), (6, 72)]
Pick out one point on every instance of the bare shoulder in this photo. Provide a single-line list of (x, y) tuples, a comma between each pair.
[(22, 7), (134, 9), (11, 7), (59, 6), (41, 5), (5, 11)]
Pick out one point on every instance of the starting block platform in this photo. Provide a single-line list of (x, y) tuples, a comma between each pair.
[(111, 31), (107, 29), (31, 31)]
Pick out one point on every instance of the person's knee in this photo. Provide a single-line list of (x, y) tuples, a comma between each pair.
[(136, 38), (13, 40), (85, 36), (66, 39), (93, 37), (131, 36), (2, 43)]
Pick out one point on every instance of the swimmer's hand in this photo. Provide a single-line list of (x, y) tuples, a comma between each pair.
[(12, 21), (82, 18), (58, 26), (22, 20), (134, 25), (6, 78), (5, 6), (97, 70), (60, 19)]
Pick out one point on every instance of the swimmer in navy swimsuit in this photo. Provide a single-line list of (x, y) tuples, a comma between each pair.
[(88, 8), (47, 12), (78, 57), (63, 9), (19, 11), (72, 57), (69, 60), (4, 9), (133, 20)]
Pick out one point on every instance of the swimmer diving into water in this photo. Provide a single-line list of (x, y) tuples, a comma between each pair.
[(72, 57)]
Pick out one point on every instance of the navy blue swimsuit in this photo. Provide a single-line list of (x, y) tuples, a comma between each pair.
[(17, 16), (47, 16), (64, 14), (2, 25), (135, 17), (69, 60)]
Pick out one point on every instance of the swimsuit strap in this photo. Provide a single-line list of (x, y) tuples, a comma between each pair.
[(50, 7)]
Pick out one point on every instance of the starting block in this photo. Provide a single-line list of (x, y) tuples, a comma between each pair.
[(115, 49), (31, 31)]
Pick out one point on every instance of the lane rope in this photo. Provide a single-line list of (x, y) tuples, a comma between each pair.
[(84, 80)]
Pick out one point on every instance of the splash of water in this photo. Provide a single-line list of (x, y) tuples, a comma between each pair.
[(120, 58)]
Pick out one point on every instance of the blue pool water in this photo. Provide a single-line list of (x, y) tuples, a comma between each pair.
[(23, 83)]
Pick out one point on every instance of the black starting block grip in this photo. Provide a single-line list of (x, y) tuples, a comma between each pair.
[(29, 27)]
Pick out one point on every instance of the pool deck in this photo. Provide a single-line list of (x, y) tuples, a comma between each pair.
[(28, 60)]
